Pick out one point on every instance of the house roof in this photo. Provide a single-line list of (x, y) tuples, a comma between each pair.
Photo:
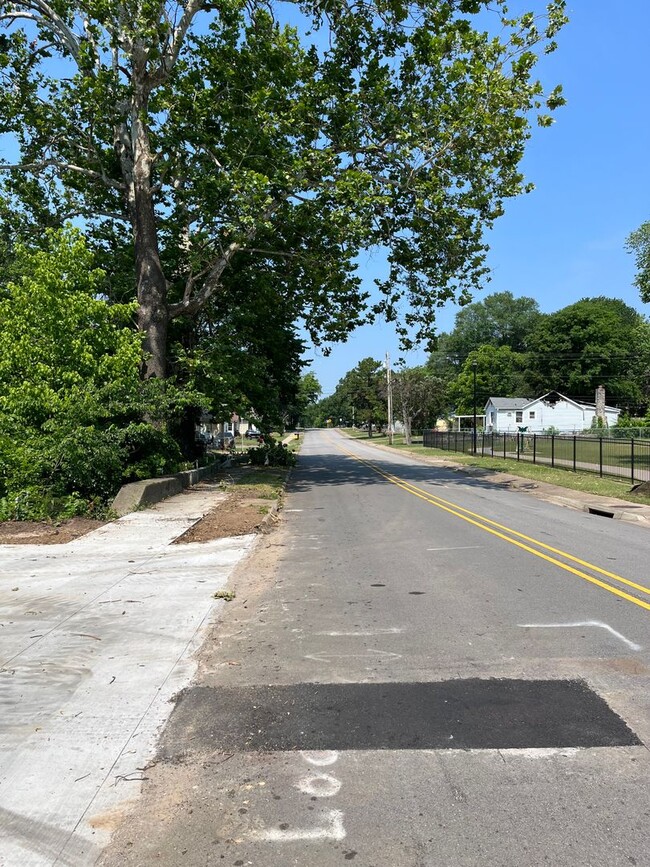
[(509, 402)]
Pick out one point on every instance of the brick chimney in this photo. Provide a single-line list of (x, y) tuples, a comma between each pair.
[(600, 405)]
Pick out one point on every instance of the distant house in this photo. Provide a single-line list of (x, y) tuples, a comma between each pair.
[(552, 410), (210, 430)]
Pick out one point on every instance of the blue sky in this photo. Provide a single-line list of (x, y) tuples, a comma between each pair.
[(565, 240)]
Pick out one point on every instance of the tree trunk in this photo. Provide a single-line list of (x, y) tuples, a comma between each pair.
[(153, 316), (134, 152), (407, 428)]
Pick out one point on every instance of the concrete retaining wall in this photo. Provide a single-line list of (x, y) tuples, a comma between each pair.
[(136, 494)]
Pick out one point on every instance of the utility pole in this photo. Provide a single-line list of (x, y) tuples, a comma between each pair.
[(474, 366), (389, 386)]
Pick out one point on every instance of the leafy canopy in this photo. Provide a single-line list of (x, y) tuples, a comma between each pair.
[(590, 343), (638, 243), (499, 319), (500, 372), (206, 132), (70, 387), (419, 398), (63, 350)]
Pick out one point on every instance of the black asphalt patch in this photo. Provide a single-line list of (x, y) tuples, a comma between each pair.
[(455, 714)]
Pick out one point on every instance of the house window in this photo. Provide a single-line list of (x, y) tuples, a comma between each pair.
[(531, 415), (519, 416)]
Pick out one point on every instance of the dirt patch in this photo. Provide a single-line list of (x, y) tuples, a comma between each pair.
[(42, 533), (238, 515)]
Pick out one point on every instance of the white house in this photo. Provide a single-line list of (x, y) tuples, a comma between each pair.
[(552, 410)]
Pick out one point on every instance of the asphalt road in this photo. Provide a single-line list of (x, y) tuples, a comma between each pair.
[(420, 668)]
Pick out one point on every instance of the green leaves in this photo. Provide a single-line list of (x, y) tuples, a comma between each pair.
[(70, 388), (638, 243), (398, 127)]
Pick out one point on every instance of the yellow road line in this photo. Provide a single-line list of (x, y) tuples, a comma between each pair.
[(482, 522)]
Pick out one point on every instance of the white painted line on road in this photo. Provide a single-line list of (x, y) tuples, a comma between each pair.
[(514, 752), (316, 786), (320, 758), (332, 830), (319, 785), (293, 510), (541, 752), (460, 548), (326, 657), (391, 630), (631, 644)]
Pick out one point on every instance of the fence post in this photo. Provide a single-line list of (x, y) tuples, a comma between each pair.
[(575, 440), (553, 450), (492, 443), (518, 435), (504, 445), (632, 458), (482, 443), (534, 448), (600, 454)]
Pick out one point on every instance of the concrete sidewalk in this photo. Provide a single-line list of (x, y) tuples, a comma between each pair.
[(96, 636)]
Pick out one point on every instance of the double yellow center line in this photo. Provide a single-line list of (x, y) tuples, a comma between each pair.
[(520, 540)]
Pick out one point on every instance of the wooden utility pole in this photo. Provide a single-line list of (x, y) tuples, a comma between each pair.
[(389, 386)]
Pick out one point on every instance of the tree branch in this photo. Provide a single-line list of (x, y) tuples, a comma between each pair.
[(94, 212), (176, 43), (189, 306), (68, 167), (57, 23)]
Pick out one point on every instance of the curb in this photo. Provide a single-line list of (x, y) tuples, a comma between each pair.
[(272, 516), (150, 491)]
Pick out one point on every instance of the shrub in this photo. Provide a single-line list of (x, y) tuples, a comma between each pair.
[(271, 454), (148, 452), (71, 397)]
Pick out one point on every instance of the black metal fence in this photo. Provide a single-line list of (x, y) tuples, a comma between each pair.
[(622, 458)]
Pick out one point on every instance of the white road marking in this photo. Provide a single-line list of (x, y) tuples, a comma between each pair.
[(293, 510), (319, 785), (320, 758), (542, 752), (332, 830), (460, 548), (392, 630), (515, 752), (631, 644), (326, 657)]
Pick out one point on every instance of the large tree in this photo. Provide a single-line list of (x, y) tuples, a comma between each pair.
[(362, 393), (638, 243), (192, 135), (499, 319), (596, 341), (497, 372), (419, 397)]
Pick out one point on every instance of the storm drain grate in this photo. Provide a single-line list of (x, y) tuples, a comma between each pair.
[(455, 714)]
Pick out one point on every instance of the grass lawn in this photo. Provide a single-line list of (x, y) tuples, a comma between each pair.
[(588, 482), (616, 453), (265, 483)]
